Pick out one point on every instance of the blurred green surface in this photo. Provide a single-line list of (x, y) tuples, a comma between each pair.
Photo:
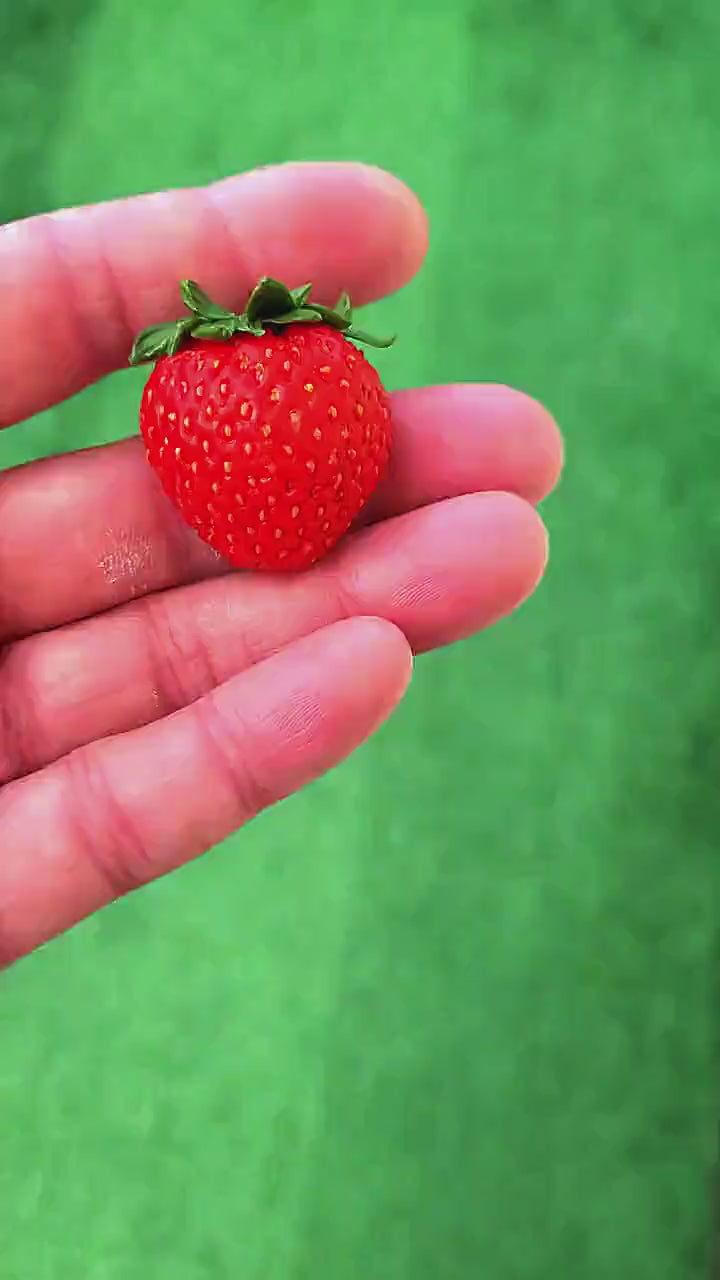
[(453, 1012)]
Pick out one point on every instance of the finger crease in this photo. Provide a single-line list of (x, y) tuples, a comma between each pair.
[(224, 231), (101, 340), (181, 672), (18, 726), (346, 601), (103, 829), (230, 751)]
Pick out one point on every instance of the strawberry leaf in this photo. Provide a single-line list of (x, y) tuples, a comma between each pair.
[(224, 329), (271, 305), (301, 295), (268, 299), (301, 315), (343, 307), (159, 340), (367, 339), (328, 316), (197, 301)]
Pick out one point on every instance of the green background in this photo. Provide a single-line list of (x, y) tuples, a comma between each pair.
[(453, 1012)]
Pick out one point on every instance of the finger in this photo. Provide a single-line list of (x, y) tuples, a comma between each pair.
[(79, 284), (122, 812), (493, 436), (82, 533), (438, 574)]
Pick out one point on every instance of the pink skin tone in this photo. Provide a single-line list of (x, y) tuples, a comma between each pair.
[(150, 701)]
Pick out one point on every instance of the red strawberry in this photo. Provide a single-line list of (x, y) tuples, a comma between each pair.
[(268, 430)]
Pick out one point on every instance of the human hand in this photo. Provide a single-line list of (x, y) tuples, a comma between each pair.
[(151, 701)]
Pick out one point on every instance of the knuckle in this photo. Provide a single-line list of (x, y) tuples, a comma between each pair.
[(104, 831), (110, 297), (11, 946), (18, 727), (178, 658), (234, 752), (346, 593)]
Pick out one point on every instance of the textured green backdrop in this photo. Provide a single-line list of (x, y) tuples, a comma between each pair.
[(452, 1013)]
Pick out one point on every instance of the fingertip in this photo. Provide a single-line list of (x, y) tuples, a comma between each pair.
[(541, 436), (369, 645), (551, 447), (408, 227), (351, 225), (447, 570), (467, 437), (518, 526)]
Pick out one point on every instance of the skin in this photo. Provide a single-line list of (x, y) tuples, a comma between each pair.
[(151, 702)]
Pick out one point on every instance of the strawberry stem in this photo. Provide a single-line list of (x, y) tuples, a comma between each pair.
[(271, 305)]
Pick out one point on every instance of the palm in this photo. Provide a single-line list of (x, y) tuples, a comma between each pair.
[(150, 701)]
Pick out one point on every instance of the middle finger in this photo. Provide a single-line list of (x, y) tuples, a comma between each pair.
[(438, 574), (82, 533)]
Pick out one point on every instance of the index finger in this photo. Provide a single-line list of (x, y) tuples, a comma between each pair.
[(77, 285)]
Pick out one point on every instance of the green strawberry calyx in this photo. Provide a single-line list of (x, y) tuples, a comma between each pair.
[(271, 305)]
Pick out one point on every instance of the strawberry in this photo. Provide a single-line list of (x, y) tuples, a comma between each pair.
[(268, 430)]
